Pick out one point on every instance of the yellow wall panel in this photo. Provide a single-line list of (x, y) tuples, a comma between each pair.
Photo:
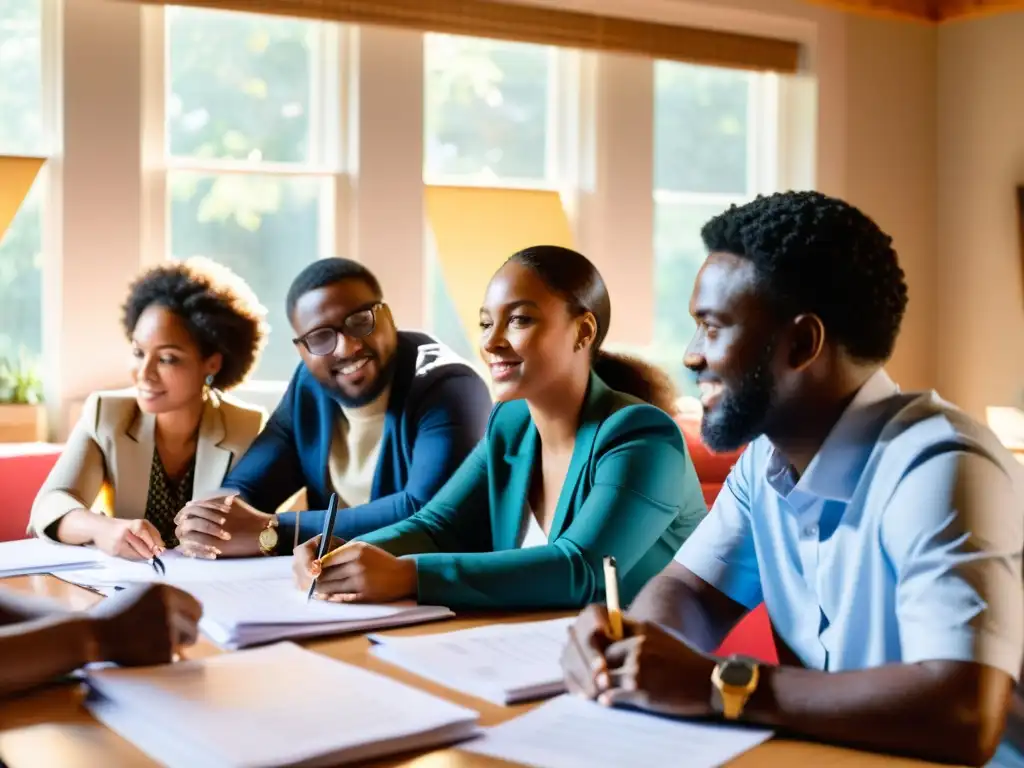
[(476, 229), (16, 177)]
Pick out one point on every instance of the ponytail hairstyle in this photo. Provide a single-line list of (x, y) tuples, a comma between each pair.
[(573, 277)]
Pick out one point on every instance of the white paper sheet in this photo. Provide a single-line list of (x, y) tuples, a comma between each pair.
[(279, 705), (278, 601), (181, 570), (502, 663), (28, 556), (569, 732)]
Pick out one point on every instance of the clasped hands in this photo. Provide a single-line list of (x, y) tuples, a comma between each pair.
[(650, 668), (220, 526)]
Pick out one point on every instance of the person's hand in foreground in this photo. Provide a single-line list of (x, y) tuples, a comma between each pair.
[(357, 573), (143, 625)]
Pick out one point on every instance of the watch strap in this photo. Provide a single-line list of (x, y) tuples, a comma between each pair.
[(730, 705)]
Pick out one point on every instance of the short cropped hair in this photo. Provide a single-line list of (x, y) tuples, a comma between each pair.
[(218, 308), (817, 254), (324, 272)]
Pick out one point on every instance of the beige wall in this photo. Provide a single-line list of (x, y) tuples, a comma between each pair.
[(890, 167), (979, 314)]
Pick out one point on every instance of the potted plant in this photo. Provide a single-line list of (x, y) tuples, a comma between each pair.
[(22, 414)]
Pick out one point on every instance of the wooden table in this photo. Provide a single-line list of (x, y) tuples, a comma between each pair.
[(51, 728)]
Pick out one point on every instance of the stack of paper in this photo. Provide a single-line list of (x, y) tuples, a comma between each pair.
[(275, 706), (237, 614), (250, 601), (19, 558), (504, 663), (569, 732)]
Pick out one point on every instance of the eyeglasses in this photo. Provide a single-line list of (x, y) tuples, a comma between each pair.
[(323, 341)]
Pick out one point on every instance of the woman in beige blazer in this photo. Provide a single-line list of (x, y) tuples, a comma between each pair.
[(137, 456)]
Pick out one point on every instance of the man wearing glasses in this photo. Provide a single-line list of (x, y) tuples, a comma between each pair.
[(381, 417)]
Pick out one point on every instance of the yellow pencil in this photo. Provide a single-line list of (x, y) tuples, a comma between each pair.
[(611, 595)]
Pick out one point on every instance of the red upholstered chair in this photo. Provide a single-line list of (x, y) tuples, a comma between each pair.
[(23, 468), (753, 635)]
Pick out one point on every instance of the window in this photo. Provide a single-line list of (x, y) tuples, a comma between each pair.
[(22, 132), (246, 141), (713, 147), (487, 111), (489, 117)]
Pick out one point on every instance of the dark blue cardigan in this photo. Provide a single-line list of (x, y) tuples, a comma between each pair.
[(437, 412)]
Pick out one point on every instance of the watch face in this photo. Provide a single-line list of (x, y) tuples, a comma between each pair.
[(268, 538), (736, 673)]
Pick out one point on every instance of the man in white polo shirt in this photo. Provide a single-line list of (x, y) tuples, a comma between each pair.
[(882, 530)]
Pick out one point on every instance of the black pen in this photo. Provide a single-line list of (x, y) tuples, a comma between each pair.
[(325, 538), (158, 566)]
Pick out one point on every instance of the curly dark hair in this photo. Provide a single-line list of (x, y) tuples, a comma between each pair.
[(817, 254), (219, 309), (573, 276)]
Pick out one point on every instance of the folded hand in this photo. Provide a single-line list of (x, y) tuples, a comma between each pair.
[(221, 526)]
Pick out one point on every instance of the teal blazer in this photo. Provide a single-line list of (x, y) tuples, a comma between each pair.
[(631, 492)]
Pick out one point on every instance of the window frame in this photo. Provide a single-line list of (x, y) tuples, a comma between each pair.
[(327, 163), (559, 66), (767, 159)]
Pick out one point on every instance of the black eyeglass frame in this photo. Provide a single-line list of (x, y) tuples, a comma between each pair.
[(372, 309)]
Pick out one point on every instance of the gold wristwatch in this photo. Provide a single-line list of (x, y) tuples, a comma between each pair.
[(268, 537), (734, 680)]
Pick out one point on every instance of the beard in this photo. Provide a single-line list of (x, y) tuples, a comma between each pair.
[(743, 410), (371, 393)]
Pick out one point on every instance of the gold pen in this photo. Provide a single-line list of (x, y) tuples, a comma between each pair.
[(611, 596)]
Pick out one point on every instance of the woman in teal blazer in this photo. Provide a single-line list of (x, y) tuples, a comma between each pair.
[(580, 460)]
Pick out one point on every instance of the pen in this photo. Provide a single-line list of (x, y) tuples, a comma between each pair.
[(158, 566), (611, 596), (325, 538)]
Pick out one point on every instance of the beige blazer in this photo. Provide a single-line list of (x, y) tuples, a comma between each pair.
[(106, 462)]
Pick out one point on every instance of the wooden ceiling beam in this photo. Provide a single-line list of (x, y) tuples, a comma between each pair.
[(915, 10), (950, 10), (931, 11)]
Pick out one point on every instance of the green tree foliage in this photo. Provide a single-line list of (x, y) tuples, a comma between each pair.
[(700, 128), (241, 89), (700, 146), (21, 132), (486, 108)]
